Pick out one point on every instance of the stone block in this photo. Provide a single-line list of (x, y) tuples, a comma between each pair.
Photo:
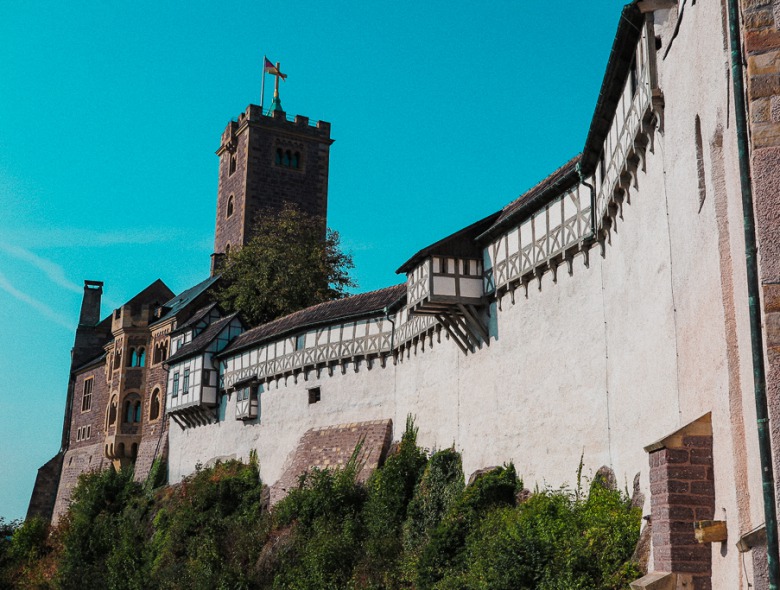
[(762, 40)]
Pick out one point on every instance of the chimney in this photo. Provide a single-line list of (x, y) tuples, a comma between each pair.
[(90, 305)]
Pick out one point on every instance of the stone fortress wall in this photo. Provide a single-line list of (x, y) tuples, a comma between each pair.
[(610, 323)]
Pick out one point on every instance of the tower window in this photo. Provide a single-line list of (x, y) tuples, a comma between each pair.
[(288, 159), (154, 405), (86, 400), (230, 207), (232, 164)]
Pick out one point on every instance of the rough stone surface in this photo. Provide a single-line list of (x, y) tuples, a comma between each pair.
[(332, 447)]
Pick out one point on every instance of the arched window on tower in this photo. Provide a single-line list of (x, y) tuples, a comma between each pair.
[(296, 160), (230, 207), (286, 159), (111, 418), (154, 405), (137, 411), (232, 165), (132, 358), (141, 357), (278, 160)]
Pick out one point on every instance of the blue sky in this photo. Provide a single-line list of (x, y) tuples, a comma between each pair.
[(110, 115)]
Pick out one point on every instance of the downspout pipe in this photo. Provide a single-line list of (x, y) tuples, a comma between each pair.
[(751, 262)]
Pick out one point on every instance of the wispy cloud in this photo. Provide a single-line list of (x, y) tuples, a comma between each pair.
[(52, 270), (44, 309), (85, 238)]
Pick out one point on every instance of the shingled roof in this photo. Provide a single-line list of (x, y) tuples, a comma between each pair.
[(196, 317), (461, 244), (201, 341), (539, 195), (179, 302), (363, 304)]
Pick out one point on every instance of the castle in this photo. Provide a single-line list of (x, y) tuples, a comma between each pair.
[(615, 311)]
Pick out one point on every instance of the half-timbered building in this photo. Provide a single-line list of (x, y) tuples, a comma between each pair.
[(608, 314)]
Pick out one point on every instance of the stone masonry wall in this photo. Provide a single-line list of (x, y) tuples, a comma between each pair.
[(761, 42), (332, 447)]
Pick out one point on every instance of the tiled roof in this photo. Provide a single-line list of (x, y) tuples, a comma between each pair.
[(330, 311), (196, 317), (179, 302), (459, 244), (201, 341), (562, 179), (98, 359)]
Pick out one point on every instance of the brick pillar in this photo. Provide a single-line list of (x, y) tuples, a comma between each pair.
[(682, 492)]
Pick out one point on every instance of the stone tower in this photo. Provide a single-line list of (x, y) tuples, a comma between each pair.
[(266, 161)]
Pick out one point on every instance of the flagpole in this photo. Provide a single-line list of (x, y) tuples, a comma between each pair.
[(262, 88)]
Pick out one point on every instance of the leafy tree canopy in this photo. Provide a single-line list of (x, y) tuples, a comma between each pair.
[(285, 267)]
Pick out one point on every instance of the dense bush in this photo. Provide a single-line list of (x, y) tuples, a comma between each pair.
[(412, 525)]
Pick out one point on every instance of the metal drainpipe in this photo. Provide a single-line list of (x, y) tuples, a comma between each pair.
[(756, 337), (392, 332)]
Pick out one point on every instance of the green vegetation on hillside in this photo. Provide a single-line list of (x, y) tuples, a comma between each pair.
[(412, 525)]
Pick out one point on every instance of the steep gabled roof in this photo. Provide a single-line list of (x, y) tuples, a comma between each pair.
[(537, 196), (201, 341), (196, 317), (459, 244), (364, 304), (178, 302), (157, 290)]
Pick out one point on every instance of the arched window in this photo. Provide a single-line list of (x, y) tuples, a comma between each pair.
[(230, 207), (278, 156), (134, 450), (141, 357), (286, 159), (117, 358), (138, 411), (232, 165), (132, 359), (120, 450), (296, 160), (111, 418), (128, 412), (154, 405)]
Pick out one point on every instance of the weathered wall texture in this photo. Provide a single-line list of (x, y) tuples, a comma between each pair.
[(646, 335)]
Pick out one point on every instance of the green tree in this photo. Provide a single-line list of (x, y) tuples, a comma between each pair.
[(285, 267)]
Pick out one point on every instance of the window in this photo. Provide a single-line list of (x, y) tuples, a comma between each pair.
[(117, 358), (230, 206), (288, 159), (154, 405), (141, 357), (175, 391), (300, 341), (86, 400), (634, 77), (133, 360), (232, 164), (160, 352), (314, 395), (89, 432), (185, 388), (111, 418), (137, 411)]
